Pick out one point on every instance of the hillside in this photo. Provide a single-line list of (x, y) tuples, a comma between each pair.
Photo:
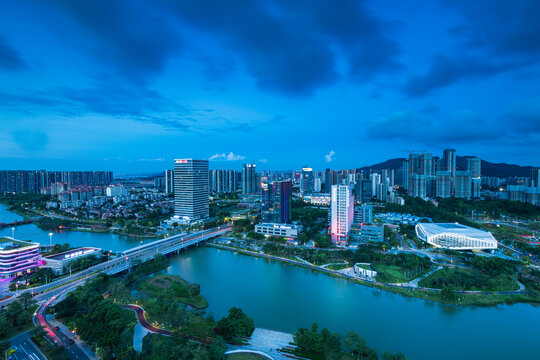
[(488, 168)]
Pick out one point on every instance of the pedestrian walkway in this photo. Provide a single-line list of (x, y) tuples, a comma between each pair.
[(267, 342)]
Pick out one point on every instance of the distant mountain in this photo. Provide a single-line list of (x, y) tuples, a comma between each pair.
[(490, 169), (388, 164)]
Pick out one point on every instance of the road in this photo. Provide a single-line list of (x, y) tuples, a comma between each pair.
[(57, 335), (49, 294), (26, 350), (123, 262)]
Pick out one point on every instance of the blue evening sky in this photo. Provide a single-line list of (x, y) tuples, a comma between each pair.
[(129, 85)]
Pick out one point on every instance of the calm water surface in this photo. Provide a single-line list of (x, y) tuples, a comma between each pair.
[(285, 297)]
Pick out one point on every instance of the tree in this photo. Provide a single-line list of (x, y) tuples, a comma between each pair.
[(13, 310), (390, 356), (354, 344), (26, 300), (448, 294), (236, 323), (5, 325), (195, 290), (217, 348)]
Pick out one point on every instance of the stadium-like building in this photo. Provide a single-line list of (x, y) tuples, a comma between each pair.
[(455, 236)]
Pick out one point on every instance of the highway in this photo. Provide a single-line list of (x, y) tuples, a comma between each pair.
[(125, 259), (55, 291)]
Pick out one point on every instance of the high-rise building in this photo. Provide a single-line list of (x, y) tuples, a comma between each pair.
[(443, 185), (535, 177), (249, 179), (191, 189), (276, 202), (307, 182), (463, 184), (449, 163), (418, 186), (317, 185), (474, 165), (375, 181), (342, 213), (169, 181)]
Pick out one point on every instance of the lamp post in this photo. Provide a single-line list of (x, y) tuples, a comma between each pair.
[(50, 241)]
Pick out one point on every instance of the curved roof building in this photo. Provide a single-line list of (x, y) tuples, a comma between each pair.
[(455, 236)]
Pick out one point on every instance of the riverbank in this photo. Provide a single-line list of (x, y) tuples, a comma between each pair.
[(434, 295)]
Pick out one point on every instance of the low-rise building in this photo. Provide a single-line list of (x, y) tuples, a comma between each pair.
[(17, 257), (284, 230), (365, 269), (59, 262)]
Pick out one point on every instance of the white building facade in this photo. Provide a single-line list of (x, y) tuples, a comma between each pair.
[(342, 213)]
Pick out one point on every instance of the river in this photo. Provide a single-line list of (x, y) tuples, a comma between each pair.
[(286, 297)]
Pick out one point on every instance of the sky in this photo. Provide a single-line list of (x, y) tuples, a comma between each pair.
[(130, 85)]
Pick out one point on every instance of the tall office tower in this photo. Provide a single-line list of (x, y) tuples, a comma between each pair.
[(535, 177), (431, 186), (405, 174), (463, 184), (418, 186), (443, 185), (363, 214), (342, 213), (375, 181), (307, 182), (327, 180), (474, 165), (449, 161), (363, 190), (169, 181), (232, 183), (276, 202), (333, 179), (249, 179), (317, 185), (381, 191), (191, 189)]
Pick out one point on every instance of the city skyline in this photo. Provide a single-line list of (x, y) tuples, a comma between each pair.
[(209, 81)]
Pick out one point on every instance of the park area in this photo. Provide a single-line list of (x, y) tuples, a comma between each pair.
[(172, 289)]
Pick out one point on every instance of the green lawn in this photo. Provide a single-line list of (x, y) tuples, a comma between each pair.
[(172, 287), (392, 274), (469, 280)]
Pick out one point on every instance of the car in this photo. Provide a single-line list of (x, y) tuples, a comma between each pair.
[(56, 328), (71, 341)]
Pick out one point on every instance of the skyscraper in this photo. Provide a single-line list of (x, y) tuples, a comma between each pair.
[(307, 183), (276, 202), (249, 179), (474, 165), (463, 184), (169, 181), (342, 213), (449, 163), (191, 189)]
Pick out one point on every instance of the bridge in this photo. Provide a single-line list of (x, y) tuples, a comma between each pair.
[(124, 260)]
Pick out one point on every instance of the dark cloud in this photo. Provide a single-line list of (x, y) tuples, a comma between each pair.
[(501, 27), (131, 36), (293, 46), (431, 129), (134, 103), (494, 37), (520, 124), (445, 71), (9, 57)]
